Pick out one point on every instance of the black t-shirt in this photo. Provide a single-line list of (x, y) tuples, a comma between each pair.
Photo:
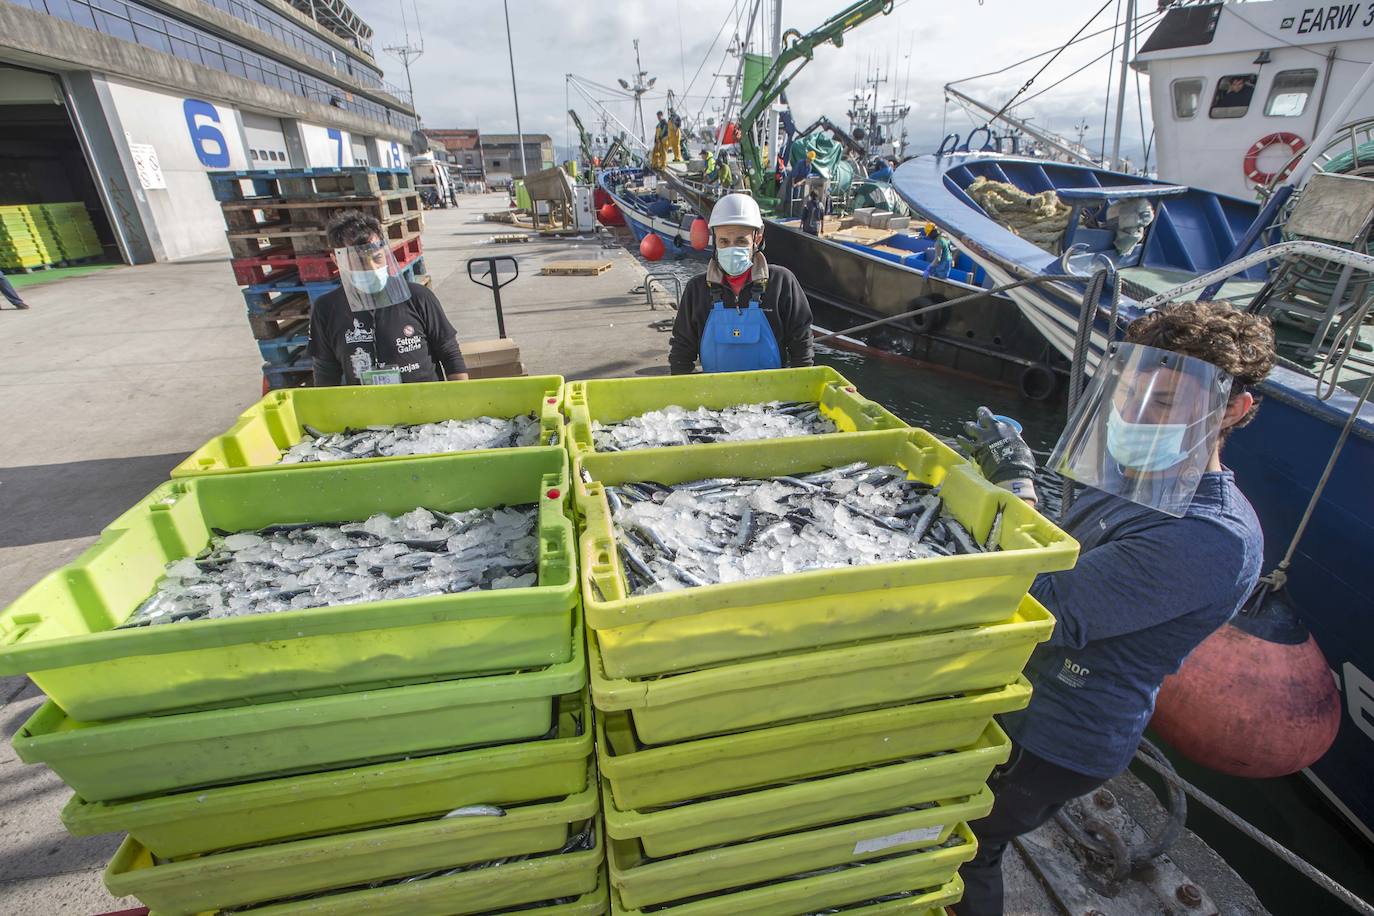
[(415, 336)]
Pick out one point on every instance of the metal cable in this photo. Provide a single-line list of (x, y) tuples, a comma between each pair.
[(1305, 868), (1053, 58)]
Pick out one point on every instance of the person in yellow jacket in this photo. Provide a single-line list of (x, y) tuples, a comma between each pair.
[(674, 135), (724, 177), (659, 157), (708, 163)]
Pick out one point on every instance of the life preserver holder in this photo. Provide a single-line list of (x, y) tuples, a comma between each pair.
[(1251, 165)]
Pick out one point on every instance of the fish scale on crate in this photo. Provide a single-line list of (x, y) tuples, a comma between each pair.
[(420, 439)]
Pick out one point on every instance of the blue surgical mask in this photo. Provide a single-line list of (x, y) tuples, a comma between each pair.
[(370, 281), (1145, 446), (735, 261)]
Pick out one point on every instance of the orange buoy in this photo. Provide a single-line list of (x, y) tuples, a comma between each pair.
[(609, 214), (1255, 699), (651, 247), (701, 234)]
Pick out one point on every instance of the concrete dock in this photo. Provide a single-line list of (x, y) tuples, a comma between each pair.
[(111, 379)]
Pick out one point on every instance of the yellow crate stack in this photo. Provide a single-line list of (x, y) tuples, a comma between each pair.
[(26, 242), (71, 225), (821, 739)]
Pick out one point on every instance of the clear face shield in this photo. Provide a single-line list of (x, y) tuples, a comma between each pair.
[(1146, 427), (370, 276)]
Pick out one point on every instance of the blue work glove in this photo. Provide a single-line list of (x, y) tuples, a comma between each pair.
[(1000, 453)]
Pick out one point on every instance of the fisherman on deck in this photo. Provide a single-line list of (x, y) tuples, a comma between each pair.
[(812, 215), (674, 134), (940, 254), (659, 156), (708, 165), (378, 328), (881, 170), (743, 313), (1169, 550)]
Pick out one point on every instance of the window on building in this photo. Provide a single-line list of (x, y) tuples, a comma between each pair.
[(1290, 92), (496, 163), (1187, 97), (1233, 95)]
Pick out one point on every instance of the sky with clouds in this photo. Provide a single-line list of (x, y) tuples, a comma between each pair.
[(463, 77)]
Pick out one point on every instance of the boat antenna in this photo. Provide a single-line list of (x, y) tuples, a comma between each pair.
[(1107, 97), (515, 93), (1121, 84), (408, 53)]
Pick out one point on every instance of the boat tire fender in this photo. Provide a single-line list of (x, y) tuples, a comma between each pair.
[(928, 322), (1294, 143), (1038, 382)]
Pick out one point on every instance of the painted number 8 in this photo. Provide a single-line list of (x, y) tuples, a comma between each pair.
[(206, 137), (396, 161)]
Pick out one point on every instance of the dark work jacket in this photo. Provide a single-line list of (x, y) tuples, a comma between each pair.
[(782, 300), (414, 336)]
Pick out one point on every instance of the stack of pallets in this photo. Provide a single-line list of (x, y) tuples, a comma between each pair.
[(810, 741), (418, 756), (275, 221)]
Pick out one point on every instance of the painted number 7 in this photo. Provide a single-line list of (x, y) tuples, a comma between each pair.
[(337, 136)]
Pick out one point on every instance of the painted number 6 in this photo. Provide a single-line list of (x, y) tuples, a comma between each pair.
[(206, 137)]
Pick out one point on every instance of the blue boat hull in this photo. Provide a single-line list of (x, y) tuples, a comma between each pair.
[(642, 221)]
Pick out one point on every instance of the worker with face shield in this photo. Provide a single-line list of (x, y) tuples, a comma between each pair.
[(1169, 550), (378, 328), (743, 313)]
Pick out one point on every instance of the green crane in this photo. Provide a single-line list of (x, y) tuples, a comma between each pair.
[(794, 55), (584, 139)]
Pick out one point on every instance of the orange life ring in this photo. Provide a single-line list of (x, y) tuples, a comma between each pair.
[(1252, 171)]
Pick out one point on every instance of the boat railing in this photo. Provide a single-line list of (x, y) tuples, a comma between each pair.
[(1339, 357)]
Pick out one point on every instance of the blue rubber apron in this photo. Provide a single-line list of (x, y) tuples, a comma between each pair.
[(738, 340)]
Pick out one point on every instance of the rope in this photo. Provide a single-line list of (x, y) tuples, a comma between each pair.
[(1305, 868), (1038, 218)]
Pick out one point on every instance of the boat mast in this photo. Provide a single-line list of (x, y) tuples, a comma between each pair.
[(519, 134), (1049, 139), (1121, 84), (773, 116)]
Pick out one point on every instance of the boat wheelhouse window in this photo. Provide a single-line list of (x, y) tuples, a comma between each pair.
[(1232, 98), (1187, 97), (1290, 92)]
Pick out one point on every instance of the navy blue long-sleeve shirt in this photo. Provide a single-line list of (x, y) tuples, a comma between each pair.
[(1147, 589)]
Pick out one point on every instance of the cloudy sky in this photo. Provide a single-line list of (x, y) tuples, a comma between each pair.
[(463, 77)]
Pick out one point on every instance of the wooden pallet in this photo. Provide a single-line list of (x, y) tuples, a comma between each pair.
[(277, 265), (288, 238), (308, 183), (575, 268), (509, 238), (244, 215), (290, 315)]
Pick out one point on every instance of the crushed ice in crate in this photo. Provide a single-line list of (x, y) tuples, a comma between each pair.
[(290, 567), (679, 426), (707, 532), (422, 439)]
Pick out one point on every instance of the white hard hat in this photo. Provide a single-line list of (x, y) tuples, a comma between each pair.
[(736, 210)]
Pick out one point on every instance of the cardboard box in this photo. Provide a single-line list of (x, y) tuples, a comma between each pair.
[(482, 353), (503, 370)]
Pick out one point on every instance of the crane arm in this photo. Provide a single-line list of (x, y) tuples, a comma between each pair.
[(785, 67), (584, 139), (1045, 137)]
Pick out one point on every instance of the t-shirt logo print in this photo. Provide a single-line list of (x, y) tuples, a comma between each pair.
[(359, 334), (408, 330)]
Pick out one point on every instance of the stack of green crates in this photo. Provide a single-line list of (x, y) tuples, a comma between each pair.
[(782, 745), (313, 761), (71, 225), (26, 241)]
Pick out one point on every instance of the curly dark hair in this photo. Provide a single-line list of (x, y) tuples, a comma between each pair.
[(351, 227), (1235, 341)]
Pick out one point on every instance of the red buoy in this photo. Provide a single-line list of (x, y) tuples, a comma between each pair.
[(651, 247), (609, 214), (701, 234), (1255, 699)]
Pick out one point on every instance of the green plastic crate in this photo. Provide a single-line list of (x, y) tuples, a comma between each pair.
[(813, 803), (160, 754), (692, 628), (616, 399), (266, 430), (768, 691), (922, 868), (487, 890), (285, 870), (642, 881), (60, 632), (793, 897), (643, 777), (271, 811)]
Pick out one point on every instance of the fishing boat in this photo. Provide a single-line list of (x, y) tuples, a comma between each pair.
[(650, 208), (1205, 237)]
